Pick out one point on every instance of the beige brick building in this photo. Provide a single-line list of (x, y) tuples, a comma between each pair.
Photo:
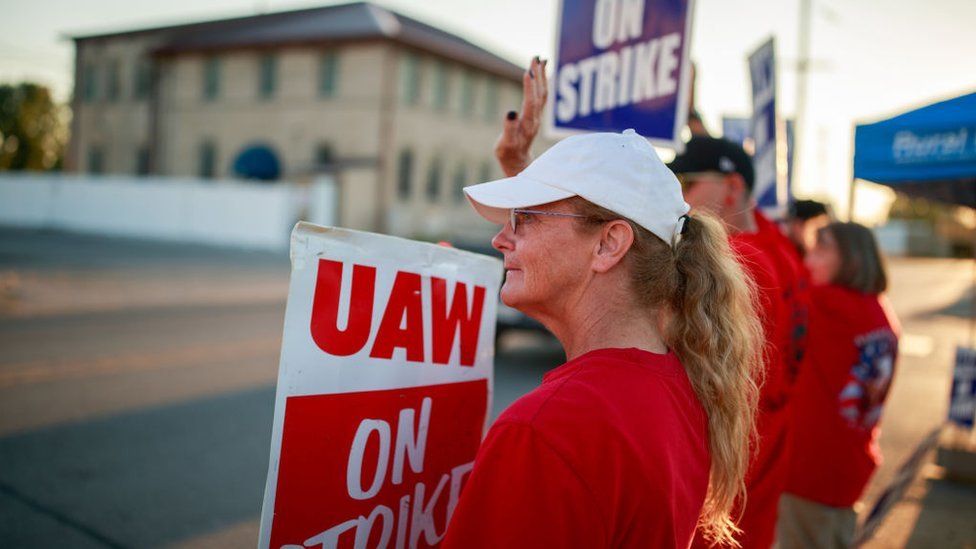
[(401, 113)]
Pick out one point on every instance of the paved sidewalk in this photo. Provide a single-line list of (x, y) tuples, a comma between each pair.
[(935, 513), (933, 300), (45, 273)]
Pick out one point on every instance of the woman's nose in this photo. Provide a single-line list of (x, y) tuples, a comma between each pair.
[(503, 240)]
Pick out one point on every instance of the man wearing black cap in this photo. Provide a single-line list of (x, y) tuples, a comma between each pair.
[(718, 175)]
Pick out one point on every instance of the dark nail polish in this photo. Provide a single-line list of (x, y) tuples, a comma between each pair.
[(531, 74), (511, 115)]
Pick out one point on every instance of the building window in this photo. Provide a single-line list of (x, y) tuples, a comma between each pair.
[(96, 160), (113, 88), (467, 93), (143, 80), (410, 79), (89, 81), (267, 76), (257, 161), (211, 78), (328, 74), (491, 99), (324, 156), (405, 174), (434, 180), (208, 160), (460, 180), (442, 88), (142, 160)]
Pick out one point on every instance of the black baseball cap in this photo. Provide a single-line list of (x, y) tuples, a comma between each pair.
[(714, 154)]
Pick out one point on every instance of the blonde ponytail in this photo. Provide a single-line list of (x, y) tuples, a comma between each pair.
[(718, 337), (706, 301)]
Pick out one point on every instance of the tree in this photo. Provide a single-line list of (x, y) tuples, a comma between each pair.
[(33, 131)]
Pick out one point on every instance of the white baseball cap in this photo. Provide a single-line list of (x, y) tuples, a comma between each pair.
[(618, 171)]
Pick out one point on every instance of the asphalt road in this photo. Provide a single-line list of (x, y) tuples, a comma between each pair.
[(137, 386), (137, 390)]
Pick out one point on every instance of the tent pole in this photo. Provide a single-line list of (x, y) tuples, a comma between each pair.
[(850, 200), (972, 310)]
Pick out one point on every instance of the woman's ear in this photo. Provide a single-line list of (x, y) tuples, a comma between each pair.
[(616, 238)]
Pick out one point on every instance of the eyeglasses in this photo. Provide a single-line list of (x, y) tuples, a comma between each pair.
[(515, 214)]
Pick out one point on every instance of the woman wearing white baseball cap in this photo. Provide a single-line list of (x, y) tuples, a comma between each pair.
[(643, 434)]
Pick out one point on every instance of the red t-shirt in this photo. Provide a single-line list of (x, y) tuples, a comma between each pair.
[(766, 476), (795, 286), (840, 395), (749, 249), (610, 451)]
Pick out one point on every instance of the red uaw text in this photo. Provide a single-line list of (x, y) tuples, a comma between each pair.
[(402, 322), (355, 469)]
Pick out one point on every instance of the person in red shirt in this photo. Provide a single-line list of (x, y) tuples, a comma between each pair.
[(806, 218), (726, 174), (717, 175), (840, 394), (795, 288), (642, 435)]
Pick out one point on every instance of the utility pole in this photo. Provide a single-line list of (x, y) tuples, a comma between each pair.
[(802, 69)]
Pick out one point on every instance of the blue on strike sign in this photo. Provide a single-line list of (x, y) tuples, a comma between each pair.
[(622, 64), (962, 400), (769, 190)]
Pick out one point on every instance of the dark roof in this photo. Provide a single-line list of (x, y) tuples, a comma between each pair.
[(345, 22)]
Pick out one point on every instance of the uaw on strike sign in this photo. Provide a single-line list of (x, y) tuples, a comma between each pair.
[(622, 64), (383, 390)]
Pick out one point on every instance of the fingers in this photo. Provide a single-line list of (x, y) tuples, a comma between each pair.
[(543, 83), (512, 147), (538, 82), (509, 135), (528, 88), (508, 141), (518, 132), (534, 90)]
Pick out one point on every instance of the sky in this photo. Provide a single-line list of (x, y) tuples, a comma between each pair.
[(872, 58)]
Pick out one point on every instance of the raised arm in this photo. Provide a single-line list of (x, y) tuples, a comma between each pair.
[(519, 130)]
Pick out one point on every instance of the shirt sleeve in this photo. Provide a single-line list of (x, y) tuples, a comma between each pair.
[(521, 493)]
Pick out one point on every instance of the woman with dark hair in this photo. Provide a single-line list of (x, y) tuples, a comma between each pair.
[(839, 396)]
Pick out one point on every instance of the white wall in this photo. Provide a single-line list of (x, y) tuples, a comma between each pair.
[(231, 213)]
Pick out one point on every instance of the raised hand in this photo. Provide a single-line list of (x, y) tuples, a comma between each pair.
[(518, 132)]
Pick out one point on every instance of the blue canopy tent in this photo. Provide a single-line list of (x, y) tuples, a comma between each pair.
[(929, 152)]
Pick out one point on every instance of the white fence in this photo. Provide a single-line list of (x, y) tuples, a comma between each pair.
[(229, 213)]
